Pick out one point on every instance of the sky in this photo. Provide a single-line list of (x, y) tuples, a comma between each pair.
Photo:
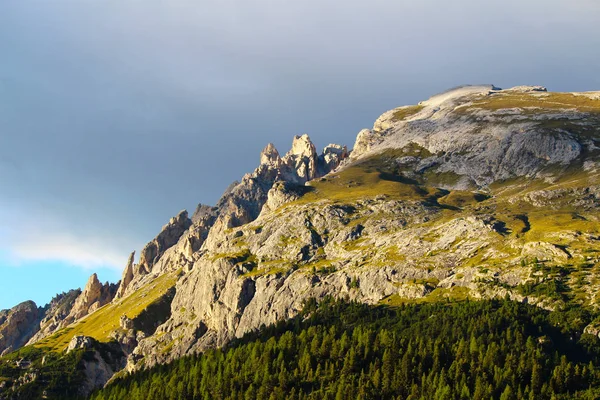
[(116, 114)]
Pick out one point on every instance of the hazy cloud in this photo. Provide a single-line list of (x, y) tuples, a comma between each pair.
[(85, 252)]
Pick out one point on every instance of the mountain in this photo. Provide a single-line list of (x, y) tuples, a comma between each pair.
[(476, 193)]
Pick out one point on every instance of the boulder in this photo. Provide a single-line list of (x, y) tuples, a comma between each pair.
[(80, 342)]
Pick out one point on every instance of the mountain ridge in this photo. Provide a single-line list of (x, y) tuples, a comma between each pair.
[(446, 199)]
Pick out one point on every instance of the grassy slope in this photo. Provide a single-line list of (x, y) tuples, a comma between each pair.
[(534, 101), (102, 322)]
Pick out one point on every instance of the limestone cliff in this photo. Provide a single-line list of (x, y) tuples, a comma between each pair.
[(168, 236), (17, 325)]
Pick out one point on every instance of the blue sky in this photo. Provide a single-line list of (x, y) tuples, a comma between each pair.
[(114, 115), (40, 280)]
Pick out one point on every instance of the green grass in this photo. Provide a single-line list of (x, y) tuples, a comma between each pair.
[(460, 198), (265, 271), (405, 112), (440, 179), (103, 321), (532, 102), (393, 254), (431, 282), (356, 183), (240, 256)]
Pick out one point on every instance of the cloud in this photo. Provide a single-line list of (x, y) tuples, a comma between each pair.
[(88, 253), (69, 239)]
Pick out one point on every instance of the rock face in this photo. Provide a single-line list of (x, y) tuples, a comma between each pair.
[(168, 236), (93, 296), (162, 246), (244, 201), (475, 131), (97, 369), (332, 157), (18, 325), (127, 276), (270, 156), (97, 373), (282, 192), (301, 160)]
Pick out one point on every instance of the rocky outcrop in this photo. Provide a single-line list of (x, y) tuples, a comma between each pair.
[(301, 161), (127, 276), (270, 156), (332, 157), (243, 202), (97, 373), (171, 249), (80, 342), (18, 325), (204, 215), (98, 366), (93, 296), (283, 192)]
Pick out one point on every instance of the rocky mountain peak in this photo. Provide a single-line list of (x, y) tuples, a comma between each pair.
[(332, 157), (93, 296), (302, 146), (181, 219), (203, 213), (17, 325), (93, 283), (301, 160), (127, 275), (170, 234), (270, 156), (244, 201)]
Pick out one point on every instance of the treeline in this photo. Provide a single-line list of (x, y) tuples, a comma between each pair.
[(469, 350)]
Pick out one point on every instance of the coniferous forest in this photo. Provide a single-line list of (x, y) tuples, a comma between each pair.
[(336, 350)]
